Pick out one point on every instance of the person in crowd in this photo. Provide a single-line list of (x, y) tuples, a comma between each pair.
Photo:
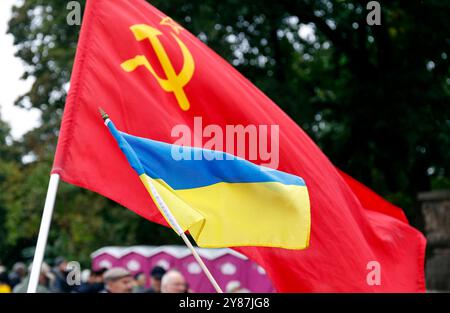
[(46, 279), (95, 282), (156, 275), (18, 273), (118, 280), (139, 283), (173, 282), (5, 286), (61, 272)]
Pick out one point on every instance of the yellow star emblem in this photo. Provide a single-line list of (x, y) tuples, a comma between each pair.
[(167, 21)]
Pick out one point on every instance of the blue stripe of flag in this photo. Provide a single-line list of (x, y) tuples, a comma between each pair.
[(156, 160)]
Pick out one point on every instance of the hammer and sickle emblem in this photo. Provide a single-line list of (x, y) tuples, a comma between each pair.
[(174, 82)]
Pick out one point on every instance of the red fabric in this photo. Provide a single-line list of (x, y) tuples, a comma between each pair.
[(371, 201), (350, 227)]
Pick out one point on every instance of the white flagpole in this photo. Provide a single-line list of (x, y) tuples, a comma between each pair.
[(201, 263), (171, 218), (43, 233)]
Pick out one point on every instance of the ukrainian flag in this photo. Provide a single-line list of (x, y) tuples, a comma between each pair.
[(223, 200)]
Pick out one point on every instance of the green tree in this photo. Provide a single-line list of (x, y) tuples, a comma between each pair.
[(9, 170)]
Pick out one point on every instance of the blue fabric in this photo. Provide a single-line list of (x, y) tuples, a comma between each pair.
[(156, 160)]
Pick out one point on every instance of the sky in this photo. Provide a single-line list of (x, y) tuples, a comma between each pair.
[(11, 86)]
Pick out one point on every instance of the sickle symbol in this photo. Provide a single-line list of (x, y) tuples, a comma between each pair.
[(174, 82)]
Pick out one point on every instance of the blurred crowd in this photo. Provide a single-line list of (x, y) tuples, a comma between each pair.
[(114, 280)]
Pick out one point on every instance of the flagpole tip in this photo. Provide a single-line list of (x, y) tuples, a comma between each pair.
[(103, 113)]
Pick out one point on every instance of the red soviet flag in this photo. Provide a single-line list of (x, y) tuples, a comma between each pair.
[(151, 75)]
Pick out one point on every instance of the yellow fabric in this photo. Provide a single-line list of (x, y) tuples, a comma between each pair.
[(5, 288), (240, 214)]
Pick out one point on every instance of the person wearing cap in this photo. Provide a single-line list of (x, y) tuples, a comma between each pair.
[(46, 278), (118, 280), (156, 275)]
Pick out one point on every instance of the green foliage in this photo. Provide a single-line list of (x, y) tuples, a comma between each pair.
[(375, 98), (82, 222)]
